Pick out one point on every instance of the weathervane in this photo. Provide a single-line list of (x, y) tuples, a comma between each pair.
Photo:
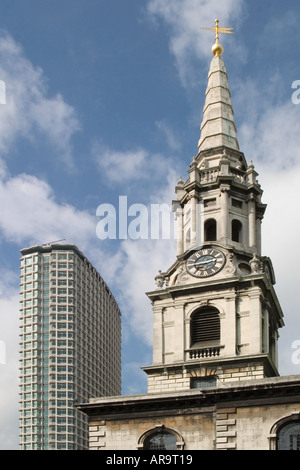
[(217, 48)]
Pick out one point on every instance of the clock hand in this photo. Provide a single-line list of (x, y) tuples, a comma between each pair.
[(205, 262)]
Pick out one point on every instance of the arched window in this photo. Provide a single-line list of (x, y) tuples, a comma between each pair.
[(236, 231), (285, 433), (205, 327), (160, 441), (289, 437), (161, 438), (210, 230)]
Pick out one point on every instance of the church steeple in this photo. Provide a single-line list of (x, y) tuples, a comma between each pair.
[(216, 314), (221, 200), (218, 127)]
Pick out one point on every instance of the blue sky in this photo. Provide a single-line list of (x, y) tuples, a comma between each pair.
[(104, 99)]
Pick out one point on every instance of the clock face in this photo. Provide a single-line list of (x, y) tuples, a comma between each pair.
[(205, 263)]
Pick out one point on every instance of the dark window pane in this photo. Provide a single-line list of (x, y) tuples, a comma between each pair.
[(289, 437), (160, 441), (236, 229), (210, 230), (203, 382)]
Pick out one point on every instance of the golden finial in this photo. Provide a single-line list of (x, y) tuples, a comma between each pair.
[(217, 48)]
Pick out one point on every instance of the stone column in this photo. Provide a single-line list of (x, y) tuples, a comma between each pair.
[(179, 332), (194, 201), (255, 322), (179, 235), (265, 331), (228, 325), (224, 222), (275, 351), (252, 222), (158, 335), (258, 234)]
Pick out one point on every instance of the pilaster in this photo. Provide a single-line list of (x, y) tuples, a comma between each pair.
[(252, 221), (224, 223), (255, 346), (158, 335), (228, 338), (194, 201), (226, 429), (179, 220), (179, 346)]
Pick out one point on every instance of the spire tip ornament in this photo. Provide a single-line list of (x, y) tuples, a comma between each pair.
[(217, 48)]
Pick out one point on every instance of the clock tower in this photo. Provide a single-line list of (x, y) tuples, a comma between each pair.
[(215, 312)]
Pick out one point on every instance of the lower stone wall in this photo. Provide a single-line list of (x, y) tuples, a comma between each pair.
[(194, 431), (253, 425), (242, 428)]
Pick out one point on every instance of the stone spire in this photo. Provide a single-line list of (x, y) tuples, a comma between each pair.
[(218, 127)]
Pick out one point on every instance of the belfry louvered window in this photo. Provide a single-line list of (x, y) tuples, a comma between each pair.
[(205, 326)]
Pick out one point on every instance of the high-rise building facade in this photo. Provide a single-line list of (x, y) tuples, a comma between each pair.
[(70, 345)]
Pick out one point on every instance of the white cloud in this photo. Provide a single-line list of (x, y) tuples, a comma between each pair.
[(131, 165), (271, 136), (121, 165), (57, 120), (9, 336), (28, 111), (32, 215), (185, 18)]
